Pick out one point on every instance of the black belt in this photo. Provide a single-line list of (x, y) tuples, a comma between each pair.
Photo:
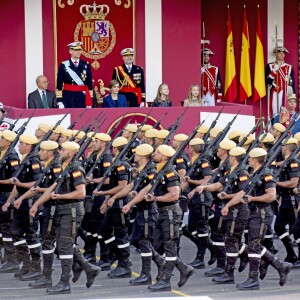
[(5, 194), (165, 208), (69, 202)]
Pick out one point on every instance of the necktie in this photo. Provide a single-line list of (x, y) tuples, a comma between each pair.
[(76, 63), (44, 100), (129, 69)]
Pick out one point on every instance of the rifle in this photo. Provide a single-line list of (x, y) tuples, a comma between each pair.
[(15, 141), (113, 129), (122, 153), (212, 125), (157, 124), (210, 148), (72, 125), (33, 153), (12, 126), (182, 146)]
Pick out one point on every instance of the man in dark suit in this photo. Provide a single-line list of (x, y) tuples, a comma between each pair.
[(131, 79), (74, 80), (41, 97)]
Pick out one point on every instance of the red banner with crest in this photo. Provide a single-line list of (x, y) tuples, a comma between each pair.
[(104, 27)]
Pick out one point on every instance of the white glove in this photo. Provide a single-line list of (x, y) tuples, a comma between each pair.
[(276, 68), (88, 107), (60, 105), (202, 69)]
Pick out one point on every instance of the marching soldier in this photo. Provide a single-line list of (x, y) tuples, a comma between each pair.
[(69, 212), (141, 136), (210, 80), (51, 172), (128, 133), (202, 131), (260, 218), (288, 180), (9, 165), (41, 131), (161, 136), (115, 223), (280, 78), (131, 79), (74, 80), (23, 228), (234, 136), (150, 136)]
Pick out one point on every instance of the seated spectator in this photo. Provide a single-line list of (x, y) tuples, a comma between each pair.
[(193, 98), (162, 98), (114, 99)]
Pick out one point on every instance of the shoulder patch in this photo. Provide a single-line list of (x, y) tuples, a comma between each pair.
[(205, 165), (151, 176), (294, 165), (133, 150), (180, 160), (14, 163), (273, 163), (56, 170), (76, 174), (268, 178), (106, 164), (170, 175), (243, 178), (35, 166), (121, 168)]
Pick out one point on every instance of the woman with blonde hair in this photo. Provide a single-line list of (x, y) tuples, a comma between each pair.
[(162, 98), (193, 98)]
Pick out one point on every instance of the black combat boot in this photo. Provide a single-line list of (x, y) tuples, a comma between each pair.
[(11, 265), (251, 283), (296, 264), (185, 272), (227, 277), (145, 277), (198, 262), (33, 274), (63, 287), (77, 270), (163, 284), (212, 251), (218, 270), (160, 263), (120, 272), (244, 260), (45, 281), (263, 269), (291, 256)]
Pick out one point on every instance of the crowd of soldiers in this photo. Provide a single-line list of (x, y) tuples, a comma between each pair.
[(131, 187)]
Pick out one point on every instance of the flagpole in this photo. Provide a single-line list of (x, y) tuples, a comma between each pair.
[(260, 108)]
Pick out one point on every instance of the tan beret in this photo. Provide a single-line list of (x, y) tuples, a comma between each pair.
[(80, 135), (290, 140), (74, 132), (249, 140), (119, 141), (146, 127), (90, 134), (279, 127), (297, 136), (215, 131), (196, 141), (67, 132), (181, 137), (234, 134), (9, 135), (237, 151), (29, 139), (292, 97), (166, 150), (73, 146), (131, 128), (257, 152), (49, 145), (103, 137), (162, 134), (151, 133), (144, 149), (44, 127), (203, 129), (266, 138), (59, 129), (227, 144)]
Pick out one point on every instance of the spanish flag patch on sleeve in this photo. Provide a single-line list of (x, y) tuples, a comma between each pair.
[(133, 150), (243, 178), (179, 160), (294, 165), (273, 163), (106, 164), (35, 166), (151, 176), (205, 165), (170, 175), (56, 170), (14, 163), (268, 178), (121, 168), (76, 174)]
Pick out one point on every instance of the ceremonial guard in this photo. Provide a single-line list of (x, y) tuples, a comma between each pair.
[(74, 80), (9, 163), (131, 79), (260, 218), (210, 80), (115, 223), (280, 78), (23, 228)]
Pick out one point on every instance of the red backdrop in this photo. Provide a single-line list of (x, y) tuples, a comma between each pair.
[(120, 17)]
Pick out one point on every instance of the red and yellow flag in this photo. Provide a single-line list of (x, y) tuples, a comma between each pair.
[(230, 89), (245, 76), (259, 73)]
